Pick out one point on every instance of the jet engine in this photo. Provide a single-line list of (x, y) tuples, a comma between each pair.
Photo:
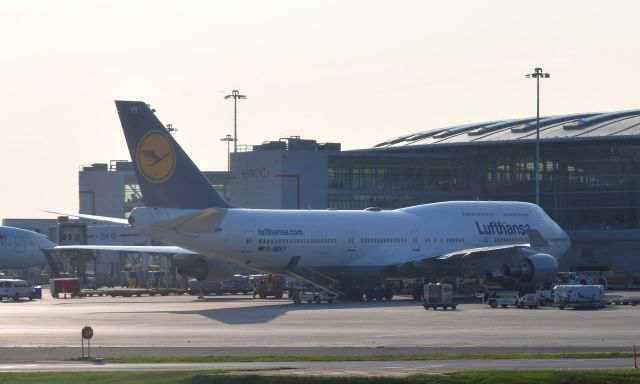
[(534, 269), (203, 268)]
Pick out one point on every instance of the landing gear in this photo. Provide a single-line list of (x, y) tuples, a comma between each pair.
[(352, 291), (379, 292)]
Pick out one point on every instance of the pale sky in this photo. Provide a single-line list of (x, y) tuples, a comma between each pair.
[(355, 72)]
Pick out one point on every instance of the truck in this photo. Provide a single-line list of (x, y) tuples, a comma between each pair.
[(268, 285), (63, 286), (438, 295), (579, 296), (504, 302), (583, 278), (237, 284), (529, 300)]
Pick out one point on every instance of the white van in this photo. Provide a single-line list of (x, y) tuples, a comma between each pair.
[(15, 289)]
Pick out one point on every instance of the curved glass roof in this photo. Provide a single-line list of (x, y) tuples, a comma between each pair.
[(583, 125)]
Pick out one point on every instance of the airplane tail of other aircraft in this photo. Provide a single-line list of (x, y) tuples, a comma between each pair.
[(167, 176)]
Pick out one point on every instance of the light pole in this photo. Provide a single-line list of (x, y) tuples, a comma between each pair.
[(235, 95), (228, 139), (537, 74)]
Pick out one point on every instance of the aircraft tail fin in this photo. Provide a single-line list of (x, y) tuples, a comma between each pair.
[(167, 176)]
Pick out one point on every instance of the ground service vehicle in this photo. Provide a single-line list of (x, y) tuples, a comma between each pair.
[(545, 297), (502, 301), (15, 289), (529, 300), (203, 287), (65, 286), (583, 278), (237, 284), (313, 296), (438, 295), (269, 285), (579, 296)]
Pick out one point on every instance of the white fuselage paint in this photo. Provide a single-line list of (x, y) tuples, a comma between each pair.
[(356, 243), (20, 248)]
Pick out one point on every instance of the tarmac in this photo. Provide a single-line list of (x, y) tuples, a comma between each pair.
[(49, 329)]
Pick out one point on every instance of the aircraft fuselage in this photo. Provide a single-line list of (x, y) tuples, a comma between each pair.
[(350, 244)]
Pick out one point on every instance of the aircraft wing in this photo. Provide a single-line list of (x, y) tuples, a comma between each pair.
[(468, 257), (125, 248), (473, 258)]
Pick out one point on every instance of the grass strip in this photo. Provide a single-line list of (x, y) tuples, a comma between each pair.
[(290, 358), (210, 377)]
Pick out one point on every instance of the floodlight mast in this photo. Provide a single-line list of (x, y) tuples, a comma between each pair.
[(228, 139), (537, 74), (235, 95)]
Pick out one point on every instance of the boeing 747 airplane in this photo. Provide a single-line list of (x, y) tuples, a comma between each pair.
[(349, 252)]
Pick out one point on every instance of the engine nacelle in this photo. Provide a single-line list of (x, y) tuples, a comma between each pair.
[(202, 268), (536, 268)]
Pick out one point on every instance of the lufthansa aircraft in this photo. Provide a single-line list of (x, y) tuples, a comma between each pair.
[(349, 252), (20, 249)]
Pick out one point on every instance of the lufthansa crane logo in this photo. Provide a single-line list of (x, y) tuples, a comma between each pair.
[(156, 157)]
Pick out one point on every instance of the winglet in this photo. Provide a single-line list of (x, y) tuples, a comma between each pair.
[(536, 240)]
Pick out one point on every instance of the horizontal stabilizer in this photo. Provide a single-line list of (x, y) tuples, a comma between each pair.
[(106, 219), (203, 221)]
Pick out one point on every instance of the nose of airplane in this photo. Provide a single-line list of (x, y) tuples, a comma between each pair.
[(42, 241), (567, 243)]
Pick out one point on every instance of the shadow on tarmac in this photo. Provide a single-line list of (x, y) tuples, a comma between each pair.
[(259, 314)]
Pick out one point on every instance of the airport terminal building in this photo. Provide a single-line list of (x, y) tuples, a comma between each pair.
[(589, 166)]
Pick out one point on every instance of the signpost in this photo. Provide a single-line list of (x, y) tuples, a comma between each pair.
[(87, 333)]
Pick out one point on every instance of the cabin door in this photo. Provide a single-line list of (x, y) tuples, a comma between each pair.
[(19, 244), (247, 245), (415, 240)]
